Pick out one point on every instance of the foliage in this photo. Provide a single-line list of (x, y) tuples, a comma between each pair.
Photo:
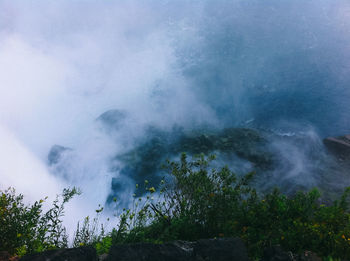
[(26, 228), (193, 201), (91, 232), (103, 245), (200, 202)]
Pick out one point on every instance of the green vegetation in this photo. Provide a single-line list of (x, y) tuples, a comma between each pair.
[(26, 229), (193, 201), (200, 202)]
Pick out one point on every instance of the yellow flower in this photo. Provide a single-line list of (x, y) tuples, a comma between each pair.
[(152, 190)]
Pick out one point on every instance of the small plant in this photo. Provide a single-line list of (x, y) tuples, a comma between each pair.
[(90, 232), (103, 245)]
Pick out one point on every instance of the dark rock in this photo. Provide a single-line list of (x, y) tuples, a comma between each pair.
[(56, 154), (276, 253), (202, 250), (72, 254), (150, 252), (309, 256), (340, 146), (220, 250)]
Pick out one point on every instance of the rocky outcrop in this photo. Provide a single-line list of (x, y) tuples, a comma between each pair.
[(72, 254), (144, 162), (339, 146)]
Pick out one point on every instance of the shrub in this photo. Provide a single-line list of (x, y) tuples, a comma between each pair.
[(26, 229), (203, 202)]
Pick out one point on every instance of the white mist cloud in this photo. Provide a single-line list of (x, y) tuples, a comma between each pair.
[(64, 63), (22, 170)]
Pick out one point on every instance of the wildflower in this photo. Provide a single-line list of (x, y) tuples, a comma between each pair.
[(152, 190)]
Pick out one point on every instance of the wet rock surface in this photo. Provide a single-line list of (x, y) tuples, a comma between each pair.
[(339, 146)]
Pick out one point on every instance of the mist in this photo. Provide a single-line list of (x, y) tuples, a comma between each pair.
[(277, 65)]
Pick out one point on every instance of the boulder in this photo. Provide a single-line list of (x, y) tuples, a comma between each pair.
[(276, 253), (340, 146), (231, 249), (176, 251), (220, 250), (72, 254)]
